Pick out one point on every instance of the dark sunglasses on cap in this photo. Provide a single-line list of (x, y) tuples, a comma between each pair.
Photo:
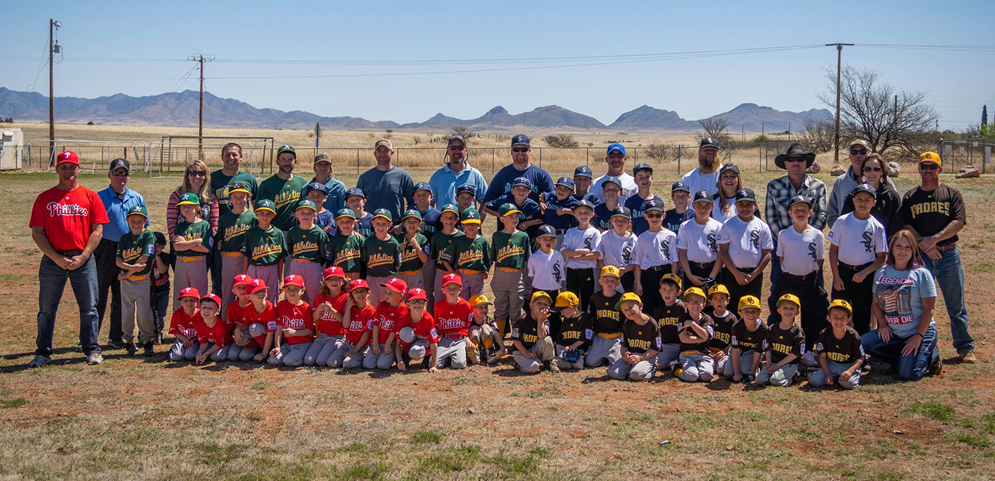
[(873, 169), (520, 149), (858, 151)]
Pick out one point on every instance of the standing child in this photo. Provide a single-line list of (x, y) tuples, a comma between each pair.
[(260, 317), (346, 246), (583, 176), (381, 254), (785, 344), (419, 337), (452, 317), (160, 284), (360, 314), (559, 210), (580, 249), (531, 338), (670, 317), (719, 344), (640, 342), (430, 224), (697, 330), (510, 249), (466, 194), (384, 337), (643, 175), (680, 193), (745, 245), (859, 247), (308, 245), (612, 188), (294, 324), (802, 249), (212, 332), (575, 334), (531, 216), (839, 348), (134, 253), (317, 193), (469, 255), (329, 311), (192, 241), (606, 343), (547, 267), (486, 343), (355, 200), (414, 250), (232, 226), (748, 337), (265, 249), (697, 244), (440, 243), (183, 326), (617, 246), (655, 255), (234, 319)]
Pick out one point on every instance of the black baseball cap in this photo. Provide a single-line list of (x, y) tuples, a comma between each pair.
[(799, 199), (520, 139), (703, 196), (160, 238), (466, 188), (622, 211), (680, 185), (728, 167), (120, 164), (746, 194), (864, 188), (583, 171), (584, 203), (642, 166), (708, 142), (546, 231), (652, 204)]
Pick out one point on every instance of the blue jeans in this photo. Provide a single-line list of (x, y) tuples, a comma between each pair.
[(912, 367), (949, 276), (51, 284)]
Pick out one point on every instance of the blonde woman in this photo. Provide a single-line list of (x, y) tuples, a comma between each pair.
[(195, 180)]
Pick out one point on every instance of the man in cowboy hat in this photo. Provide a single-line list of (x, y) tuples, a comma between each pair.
[(779, 193)]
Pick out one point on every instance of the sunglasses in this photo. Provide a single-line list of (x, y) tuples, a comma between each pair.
[(616, 156), (858, 151), (873, 169), (928, 166), (120, 173), (652, 216), (520, 149), (198, 173), (456, 147), (795, 159)]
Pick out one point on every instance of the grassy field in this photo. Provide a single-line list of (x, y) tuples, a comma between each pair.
[(133, 418)]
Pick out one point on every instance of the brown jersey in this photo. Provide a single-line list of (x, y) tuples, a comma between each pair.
[(526, 331), (747, 340), (641, 338), (846, 350), (604, 316), (722, 336), (782, 342), (573, 329), (701, 344), (670, 319)]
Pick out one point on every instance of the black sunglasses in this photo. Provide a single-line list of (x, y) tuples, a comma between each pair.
[(198, 173), (858, 152), (652, 216), (873, 169), (928, 166), (795, 159), (616, 156), (520, 149)]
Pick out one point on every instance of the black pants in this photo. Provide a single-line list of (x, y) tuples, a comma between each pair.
[(105, 256), (813, 300), (581, 282), (860, 295), (700, 270), (736, 291), (214, 265), (650, 281), (628, 281)]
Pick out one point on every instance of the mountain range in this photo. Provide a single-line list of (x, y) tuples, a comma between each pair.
[(180, 109)]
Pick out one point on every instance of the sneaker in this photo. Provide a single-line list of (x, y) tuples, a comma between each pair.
[(554, 366), (968, 357), (937, 368), (495, 355), (149, 350), (749, 379), (809, 359), (112, 345), (473, 354), (94, 358), (131, 348), (78, 348), (39, 361), (158, 337)]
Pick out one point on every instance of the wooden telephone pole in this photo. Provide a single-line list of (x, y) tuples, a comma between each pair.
[(53, 25), (200, 116), (839, 61)]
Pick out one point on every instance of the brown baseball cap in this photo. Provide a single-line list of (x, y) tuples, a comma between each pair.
[(322, 158), (861, 142), (385, 143)]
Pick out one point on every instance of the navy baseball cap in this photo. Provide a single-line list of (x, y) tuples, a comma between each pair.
[(546, 231), (354, 191), (680, 185), (616, 146), (622, 211), (746, 194), (583, 171), (652, 204), (703, 196), (422, 186), (612, 179), (584, 203), (727, 168), (466, 188), (315, 186), (642, 166), (521, 181), (864, 188), (520, 139), (160, 238), (456, 137), (708, 142), (565, 182)]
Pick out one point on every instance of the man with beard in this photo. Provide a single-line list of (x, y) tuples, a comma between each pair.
[(615, 158), (284, 188), (386, 186), (706, 175), (455, 173)]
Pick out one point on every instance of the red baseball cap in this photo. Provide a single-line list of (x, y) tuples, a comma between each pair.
[(189, 292), (358, 284), (241, 280), (293, 280), (452, 279), (417, 293), (334, 271), (67, 156), (257, 284), (396, 285), (213, 298)]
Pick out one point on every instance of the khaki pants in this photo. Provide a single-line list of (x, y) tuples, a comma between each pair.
[(271, 276), (509, 294), (543, 351), (135, 305)]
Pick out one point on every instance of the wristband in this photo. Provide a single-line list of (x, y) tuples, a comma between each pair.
[(921, 334)]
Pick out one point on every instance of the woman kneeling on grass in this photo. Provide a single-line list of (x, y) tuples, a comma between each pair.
[(904, 299)]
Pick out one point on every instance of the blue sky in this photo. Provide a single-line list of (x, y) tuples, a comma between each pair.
[(396, 33)]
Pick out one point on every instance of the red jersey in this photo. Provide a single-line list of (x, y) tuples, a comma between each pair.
[(453, 319), (327, 324), (266, 318), (360, 322), (236, 315), (68, 216), (181, 323), (294, 317), (217, 334), (387, 317), (424, 329)]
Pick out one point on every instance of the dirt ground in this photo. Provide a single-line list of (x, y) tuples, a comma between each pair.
[(137, 418)]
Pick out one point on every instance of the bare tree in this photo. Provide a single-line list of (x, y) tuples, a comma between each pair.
[(878, 113), (658, 152), (563, 141), (462, 131), (714, 127), (820, 135)]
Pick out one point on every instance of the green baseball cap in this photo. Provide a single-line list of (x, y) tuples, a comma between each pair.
[(470, 216), (508, 209), (412, 213), (189, 199), (451, 208), (266, 204), (238, 186), (345, 212), (306, 204), (286, 148), (383, 213), (138, 210)]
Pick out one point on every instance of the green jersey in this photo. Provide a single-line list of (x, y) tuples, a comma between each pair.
[(311, 244), (409, 256), (285, 194), (346, 251), (466, 253), (511, 250), (132, 247), (381, 256), (264, 247), (439, 243), (219, 185), (189, 231), (232, 228)]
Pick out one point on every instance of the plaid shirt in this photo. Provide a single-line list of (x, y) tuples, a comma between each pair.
[(779, 193)]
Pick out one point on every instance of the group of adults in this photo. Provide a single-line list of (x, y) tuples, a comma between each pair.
[(78, 229)]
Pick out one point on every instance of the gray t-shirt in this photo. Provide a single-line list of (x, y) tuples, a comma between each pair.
[(391, 190), (900, 295)]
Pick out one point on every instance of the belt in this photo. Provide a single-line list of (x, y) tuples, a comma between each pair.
[(138, 278), (613, 335), (351, 275), (190, 258), (468, 272), (509, 270), (298, 259), (70, 252), (409, 273), (947, 247), (701, 265), (794, 277), (658, 268), (454, 337), (691, 353), (715, 349), (744, 269), (232, 254), (854, 268)]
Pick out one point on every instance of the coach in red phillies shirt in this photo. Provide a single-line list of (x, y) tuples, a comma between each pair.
[(67, 224)]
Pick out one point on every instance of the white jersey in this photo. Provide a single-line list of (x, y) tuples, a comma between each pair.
[(747, 240), (548, 271), (701, 241), (724, 217), (617, 250), (859, 241), (801, 252), (578, 238), (655, 249), (699, 181), (629, 187)]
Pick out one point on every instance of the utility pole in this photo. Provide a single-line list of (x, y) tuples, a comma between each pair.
[(200, 116), (52, 46), (839, 62)]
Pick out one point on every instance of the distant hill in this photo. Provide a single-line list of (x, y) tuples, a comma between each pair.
[(180, 109)]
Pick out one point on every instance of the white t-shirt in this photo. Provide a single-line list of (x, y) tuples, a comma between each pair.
[(700, 240), (724, 217), (801, 252), (859, 241), (617, 250), (699, 181), (578, 238), (548, 271), (746, 240), (655, 249), (629, 187)]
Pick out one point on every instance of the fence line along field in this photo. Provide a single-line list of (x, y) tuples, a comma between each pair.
[(137, 418)]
